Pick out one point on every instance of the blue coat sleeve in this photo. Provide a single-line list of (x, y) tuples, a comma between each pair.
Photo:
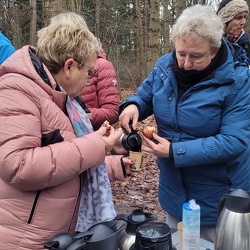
[(6, 50)]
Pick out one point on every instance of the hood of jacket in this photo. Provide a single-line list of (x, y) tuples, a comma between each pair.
[(102, 54), (25, 62)]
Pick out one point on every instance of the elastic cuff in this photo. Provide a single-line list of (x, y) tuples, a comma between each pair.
[(123, 168), (171, 156)]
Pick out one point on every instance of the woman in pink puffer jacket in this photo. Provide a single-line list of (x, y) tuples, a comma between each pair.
[(47, 146)]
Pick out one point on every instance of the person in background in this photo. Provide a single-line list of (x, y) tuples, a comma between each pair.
[(200, 97), (6, 47), (101, 95), (50, 180), (233, 14), (105, 92)]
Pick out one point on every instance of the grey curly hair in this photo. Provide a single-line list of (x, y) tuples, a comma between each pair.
[(199, 21)]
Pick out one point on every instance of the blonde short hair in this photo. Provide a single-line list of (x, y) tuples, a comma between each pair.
[(67, 36), (68, 17)]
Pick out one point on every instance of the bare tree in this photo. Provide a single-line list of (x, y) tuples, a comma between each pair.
[(33, 21), (154, 29), (134, 33), (139, 37), (97, 17), (180, 6), (15, 21), (247, 28), (54, 7), (49, 9), (165, 27)]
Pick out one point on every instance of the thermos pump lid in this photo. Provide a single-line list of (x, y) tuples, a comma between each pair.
[(153, 232)]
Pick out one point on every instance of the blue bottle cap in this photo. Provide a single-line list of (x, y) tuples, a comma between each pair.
[(191, 205)]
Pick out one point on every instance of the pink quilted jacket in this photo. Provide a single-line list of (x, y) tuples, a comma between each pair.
[(102, 95), (39, 183)]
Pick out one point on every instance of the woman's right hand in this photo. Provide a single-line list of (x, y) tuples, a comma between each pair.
[(110, 136), (130, 113)]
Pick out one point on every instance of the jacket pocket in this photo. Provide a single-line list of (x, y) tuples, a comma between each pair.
[(51, 138)]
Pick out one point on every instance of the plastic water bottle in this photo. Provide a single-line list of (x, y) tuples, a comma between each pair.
[(191, 226)]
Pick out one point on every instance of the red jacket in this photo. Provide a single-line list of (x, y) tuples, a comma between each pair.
[(102, 95)]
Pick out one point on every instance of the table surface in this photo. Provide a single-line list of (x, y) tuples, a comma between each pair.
[(204, 244)]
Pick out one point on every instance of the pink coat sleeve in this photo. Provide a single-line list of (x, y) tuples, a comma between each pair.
[(25, 163), (114, 167)]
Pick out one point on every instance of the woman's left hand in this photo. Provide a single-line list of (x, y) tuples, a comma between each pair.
[(128, 162), (160, 149)]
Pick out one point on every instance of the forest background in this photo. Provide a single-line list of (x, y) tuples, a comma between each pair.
[(134, 33)]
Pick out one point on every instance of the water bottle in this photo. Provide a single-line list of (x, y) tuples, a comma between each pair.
[(191, 226)]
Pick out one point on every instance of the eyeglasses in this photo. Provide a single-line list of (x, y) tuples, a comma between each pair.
[(91, 73)]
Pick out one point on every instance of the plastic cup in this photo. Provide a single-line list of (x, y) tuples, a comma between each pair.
[(179, 226), (138, 156)]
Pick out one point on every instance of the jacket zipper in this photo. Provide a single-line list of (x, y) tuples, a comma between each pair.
[(37, 197), (78, 199), (34, 207)]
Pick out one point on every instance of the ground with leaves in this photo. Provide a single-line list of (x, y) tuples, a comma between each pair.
[(139, 190)]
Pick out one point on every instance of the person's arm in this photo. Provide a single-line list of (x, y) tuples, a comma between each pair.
[(118, 166), (25, 163), (138, 106)]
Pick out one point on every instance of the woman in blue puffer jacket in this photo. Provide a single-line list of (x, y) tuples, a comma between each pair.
[(200, 97)]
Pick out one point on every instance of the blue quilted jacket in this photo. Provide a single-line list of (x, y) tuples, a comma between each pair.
[(210, 131), (6, 48)]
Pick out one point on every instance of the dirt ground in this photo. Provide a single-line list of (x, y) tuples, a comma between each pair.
[(141, 189)]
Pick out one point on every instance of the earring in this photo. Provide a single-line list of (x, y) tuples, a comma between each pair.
[(67, 76)]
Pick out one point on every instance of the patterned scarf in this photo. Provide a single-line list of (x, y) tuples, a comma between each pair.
[(96, 204), (242, 39)]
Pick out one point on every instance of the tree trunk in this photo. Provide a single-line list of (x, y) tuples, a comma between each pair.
[(166, 25), (139, 38), (247, 26), (70, 5), (154, 29), (180, 6), (33, 20), (52, 8), (97, 17), (146, 35)]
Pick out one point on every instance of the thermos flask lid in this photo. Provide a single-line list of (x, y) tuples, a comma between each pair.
[(154, 232)]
